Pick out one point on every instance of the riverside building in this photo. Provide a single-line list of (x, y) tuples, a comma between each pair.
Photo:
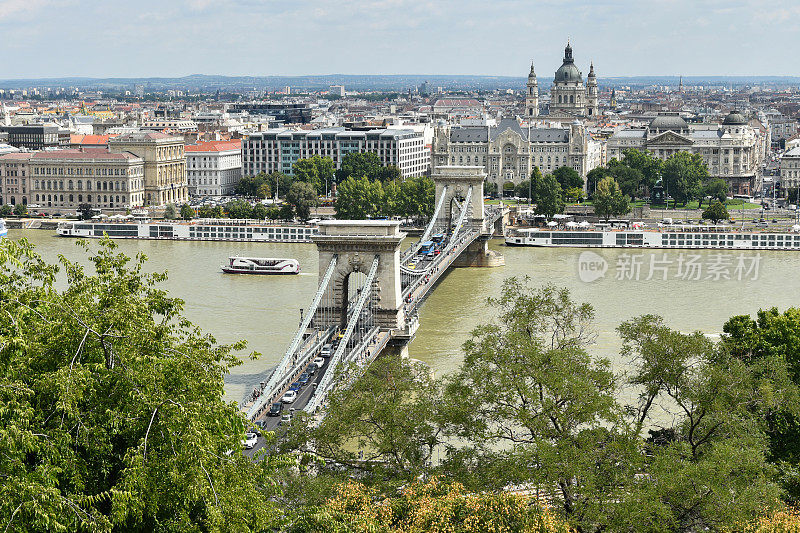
[(278, 150), (65, 179), (732, 150), (213, 168), (164, 164)]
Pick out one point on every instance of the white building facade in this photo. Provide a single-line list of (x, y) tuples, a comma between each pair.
[(732, 151), (508, 153), (278, 150), (213, 168), (790, 168)]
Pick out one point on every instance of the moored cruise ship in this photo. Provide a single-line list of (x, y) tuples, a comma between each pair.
[(194, 230), (3, 230), (700, 237)]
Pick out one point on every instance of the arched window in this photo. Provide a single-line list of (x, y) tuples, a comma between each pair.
[(80, 198), (559, 99), (89, 198), (70, 198), (571, 99)]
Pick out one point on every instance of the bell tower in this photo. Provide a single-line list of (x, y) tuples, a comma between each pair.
[(591, 93), (532, 95)]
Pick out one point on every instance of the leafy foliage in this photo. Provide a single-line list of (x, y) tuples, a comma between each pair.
[(187, 213), (112, 411), (431, 506), (258, 186), (317, 171), (716, 212), (684, 174), (609, 200), (302, 197)]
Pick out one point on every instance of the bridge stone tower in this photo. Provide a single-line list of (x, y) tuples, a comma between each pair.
[(458, 181), (356, 243)]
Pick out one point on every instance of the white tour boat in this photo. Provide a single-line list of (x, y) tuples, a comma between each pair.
[(682, 237), (3, 230), (260, 265), (194, 230)]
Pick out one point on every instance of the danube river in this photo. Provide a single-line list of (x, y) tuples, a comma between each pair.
[(693, 290)]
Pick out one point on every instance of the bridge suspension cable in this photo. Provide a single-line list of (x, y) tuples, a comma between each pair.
[(430, 227), (287, 360), (327, 380)]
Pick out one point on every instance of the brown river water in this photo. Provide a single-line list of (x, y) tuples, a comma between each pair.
[(265, 310)]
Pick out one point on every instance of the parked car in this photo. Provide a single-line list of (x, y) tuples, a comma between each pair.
[(303, 379), (250, 440), (289, 397), (319, 362), (275, 409)]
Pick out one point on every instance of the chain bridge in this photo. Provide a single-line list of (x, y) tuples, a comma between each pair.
[(370, 291)]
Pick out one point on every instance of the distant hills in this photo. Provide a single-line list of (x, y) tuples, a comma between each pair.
[(393, 82)]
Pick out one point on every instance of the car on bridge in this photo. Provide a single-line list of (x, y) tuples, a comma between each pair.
[(289, 397), (326, 351), (275, 409), (303, 379), (285, 419), (318, 362), (250, 440), (296, 386)]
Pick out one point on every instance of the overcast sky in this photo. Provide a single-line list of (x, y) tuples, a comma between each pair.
[(139, 38)]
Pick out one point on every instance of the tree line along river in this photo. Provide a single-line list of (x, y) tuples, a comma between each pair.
[(693, 290)]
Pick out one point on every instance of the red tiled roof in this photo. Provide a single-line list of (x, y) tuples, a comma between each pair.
[(89, 139), (214, 146)]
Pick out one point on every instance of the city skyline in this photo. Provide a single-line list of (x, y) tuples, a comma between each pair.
[(309, 37)]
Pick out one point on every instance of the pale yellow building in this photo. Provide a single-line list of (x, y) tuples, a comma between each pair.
[(165, 179)]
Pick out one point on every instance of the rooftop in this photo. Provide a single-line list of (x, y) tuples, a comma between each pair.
[(214, 146), (83, 153)]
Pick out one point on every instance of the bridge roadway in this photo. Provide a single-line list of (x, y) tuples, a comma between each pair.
[(371, 345)]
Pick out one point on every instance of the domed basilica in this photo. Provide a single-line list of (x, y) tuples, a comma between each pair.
[(569, 97)]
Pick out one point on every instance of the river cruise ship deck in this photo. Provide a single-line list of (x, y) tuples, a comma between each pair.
[(688, 237), (194, 230)]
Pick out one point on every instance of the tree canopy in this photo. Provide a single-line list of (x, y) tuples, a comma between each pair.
[(609, 200), (302, 197), (716, 212), (684, 174), (316, 170), (112, 411)]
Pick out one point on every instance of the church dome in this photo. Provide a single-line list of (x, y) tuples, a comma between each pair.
[(568, 72), (734, 118), (670, 121)]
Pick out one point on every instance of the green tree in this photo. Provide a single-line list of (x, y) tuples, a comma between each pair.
[(418, 198), (768, 345), (609, 200), (239, 209), (85, 211), (6, 210), (316, 170), (568, 178), (286, 212), (717, 189), (683, 175), (358, 164), (302, 197), (548, 196), (206, 211), (714, 433), (648, 165), (575, 194), (532, 406), (389, 173), (630, 180), (284, 183), (259, 211), (20, 210), (393, 205), (490, 189), (716, 212), (524, 189), (112, 405), (594, 176), (170, 212), (187, 213), (358, 198), (258, 186), (362, 427)]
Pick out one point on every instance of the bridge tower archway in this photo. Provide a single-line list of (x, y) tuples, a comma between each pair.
[(356, 243), (453, 182)]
